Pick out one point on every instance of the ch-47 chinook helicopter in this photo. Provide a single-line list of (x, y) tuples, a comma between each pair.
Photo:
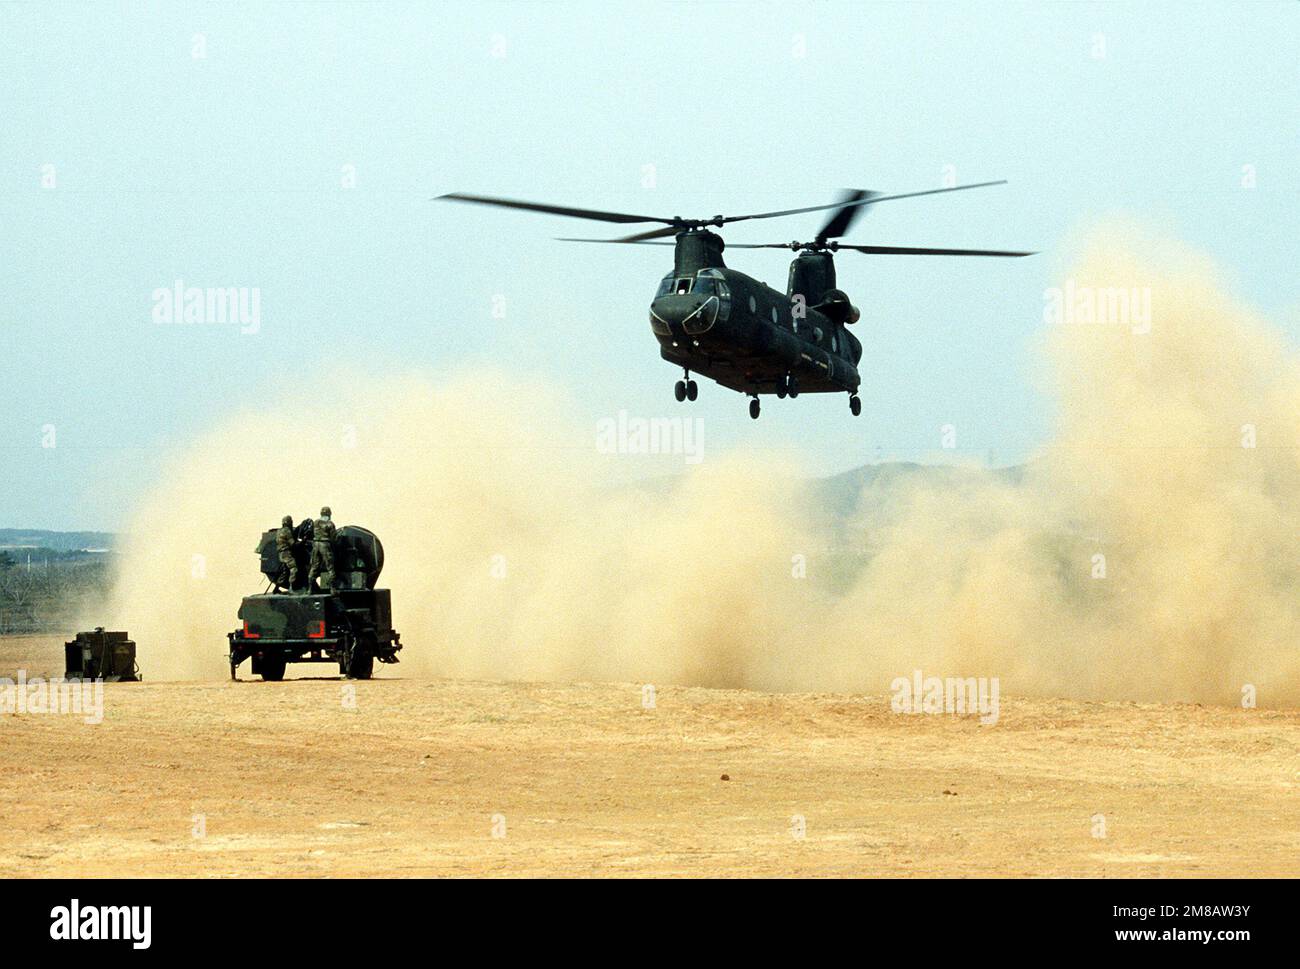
[(739, 332)]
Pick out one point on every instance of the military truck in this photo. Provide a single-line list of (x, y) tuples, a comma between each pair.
[(349, 624)]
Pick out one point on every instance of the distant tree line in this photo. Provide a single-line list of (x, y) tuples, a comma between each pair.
[(45, 590)]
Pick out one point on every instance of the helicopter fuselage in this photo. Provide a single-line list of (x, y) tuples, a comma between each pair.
[(745, 335)]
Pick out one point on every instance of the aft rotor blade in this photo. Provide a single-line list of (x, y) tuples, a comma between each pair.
[(865, 201), (838, 224), (915, 251), (595, 214)]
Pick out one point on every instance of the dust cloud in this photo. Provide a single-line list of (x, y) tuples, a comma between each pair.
[(1148, 551)]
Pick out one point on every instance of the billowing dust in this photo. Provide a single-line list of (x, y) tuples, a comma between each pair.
[(1149, 552)]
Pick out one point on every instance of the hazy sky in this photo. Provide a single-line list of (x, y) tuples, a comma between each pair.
[(217, 144)]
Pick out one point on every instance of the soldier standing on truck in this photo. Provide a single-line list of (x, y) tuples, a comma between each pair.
[(284, 539), (322, 550)]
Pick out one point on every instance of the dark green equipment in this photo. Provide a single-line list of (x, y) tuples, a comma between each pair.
[(739, 332), (100, 655), (349, 624)]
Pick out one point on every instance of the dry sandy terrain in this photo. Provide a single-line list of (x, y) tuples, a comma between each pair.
[(292, 782)]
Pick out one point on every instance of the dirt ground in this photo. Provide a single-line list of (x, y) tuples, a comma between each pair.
[(441, 777)]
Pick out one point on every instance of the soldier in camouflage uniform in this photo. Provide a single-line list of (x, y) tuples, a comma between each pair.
[(322, 551), (284, 539)]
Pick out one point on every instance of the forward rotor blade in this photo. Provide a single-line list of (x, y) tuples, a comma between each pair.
[(870, 250), (622, 217), (668, 230), (866, 201), (620, 242), (915, 251), (674, 225)]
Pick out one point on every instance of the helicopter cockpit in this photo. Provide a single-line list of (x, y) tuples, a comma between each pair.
[(696, 302), (707, 282)]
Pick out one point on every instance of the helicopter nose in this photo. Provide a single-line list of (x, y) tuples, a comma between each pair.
[(672, 312)]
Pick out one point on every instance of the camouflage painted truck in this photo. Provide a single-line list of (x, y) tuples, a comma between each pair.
[(349, 624)]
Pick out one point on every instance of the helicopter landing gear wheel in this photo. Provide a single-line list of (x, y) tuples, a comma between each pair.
[(855, 405), (679, 390), (692, 390), (780, 387), (754, 408), (791, 386)]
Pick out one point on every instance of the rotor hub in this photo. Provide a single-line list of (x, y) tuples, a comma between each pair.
[(817, 245)]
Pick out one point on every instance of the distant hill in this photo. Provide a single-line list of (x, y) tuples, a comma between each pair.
[(862, 493), (20, 538), (844, 506), (856, 496)]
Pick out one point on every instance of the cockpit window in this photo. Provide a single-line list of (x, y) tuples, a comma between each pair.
[(705, 285), (683, 286), (665, 286)]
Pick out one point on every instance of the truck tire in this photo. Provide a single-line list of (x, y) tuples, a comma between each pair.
[(361, 664), (361, 657), (272, 670)]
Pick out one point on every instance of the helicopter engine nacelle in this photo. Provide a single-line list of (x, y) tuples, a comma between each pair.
[(836, 306)]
